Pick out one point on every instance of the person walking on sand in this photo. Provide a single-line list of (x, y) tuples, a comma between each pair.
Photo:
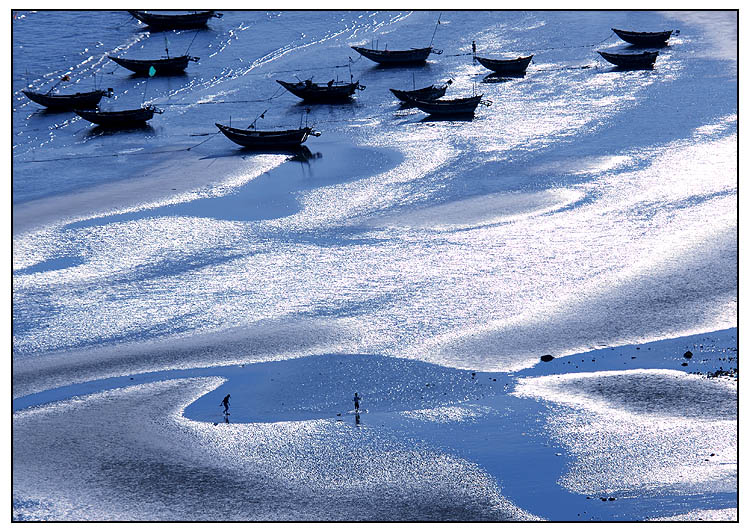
[(356, 402), (225, 402)]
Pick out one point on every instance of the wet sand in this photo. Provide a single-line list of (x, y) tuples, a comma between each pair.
[(570, 439)]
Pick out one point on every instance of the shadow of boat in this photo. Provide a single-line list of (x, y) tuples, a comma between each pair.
[(51, 111), (303, 154), (502, 78), (397, 66), (105, 131), (149, 29), (134, 75), (448, 118), (644, 47)]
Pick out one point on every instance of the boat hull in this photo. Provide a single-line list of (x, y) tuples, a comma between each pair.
[(506, 66), (174, 22), (426, 93), (313, 92), (163, 67), (395, 57), (643, 61), (264, 140), (79, 100), (643, 38), (117, 119), (457, 107)]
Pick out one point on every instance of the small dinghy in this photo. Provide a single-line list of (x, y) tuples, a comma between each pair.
[(264, 140), (643, 60), (644, 38), (119, 119)]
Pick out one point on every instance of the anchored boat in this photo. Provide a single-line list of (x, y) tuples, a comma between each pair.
[(433, 92), (643, 60), (161, 21), (505, 66), (119, 119), (644, 38), (455, 107), (263, 140), (412, 56), (59, 102), (333, 91), (162, 67)]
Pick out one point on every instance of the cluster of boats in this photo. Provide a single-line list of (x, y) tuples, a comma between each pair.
[(428, 99)]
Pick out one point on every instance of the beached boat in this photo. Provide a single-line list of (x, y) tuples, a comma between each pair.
[(505, 66), (455, 107), (263, 140), (333, 91), (412, 56), (433, 92), (79, 100), (644, 38), (643, 60), (162, 67), (119, 119), (162, 21)]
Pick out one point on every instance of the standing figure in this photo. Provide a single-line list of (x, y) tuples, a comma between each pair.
[(225, 402), (356, 402)]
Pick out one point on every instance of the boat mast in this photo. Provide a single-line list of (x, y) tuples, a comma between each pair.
[(436, 27), (261, 115)]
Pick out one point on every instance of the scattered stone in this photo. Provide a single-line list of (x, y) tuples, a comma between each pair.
[(547, 358), (688, 354), (684, 364), (713, 454)]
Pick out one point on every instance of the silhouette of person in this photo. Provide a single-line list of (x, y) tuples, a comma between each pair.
[(225, 402), (356, 402)]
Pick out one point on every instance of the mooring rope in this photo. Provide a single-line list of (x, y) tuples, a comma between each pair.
[(547, 49)]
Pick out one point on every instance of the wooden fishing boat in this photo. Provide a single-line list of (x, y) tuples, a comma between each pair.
[(162, 21), (505, 66), (643, 60), (458, 106), (163, 67), (433, 92), (119, 119), (396, 57), (79, 100), (254, 138), (332, 91), (644, 38)]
